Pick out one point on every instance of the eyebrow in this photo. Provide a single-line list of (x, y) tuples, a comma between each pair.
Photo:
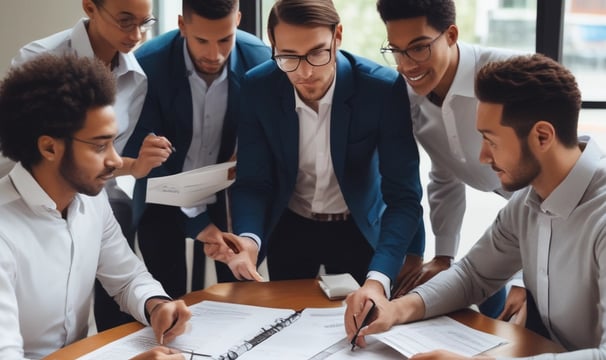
[(412, 42), (198, 38), (317, 47), (103, 137)]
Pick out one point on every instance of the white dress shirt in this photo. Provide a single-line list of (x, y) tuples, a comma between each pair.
[(449, 136), (317, 189), (560, 242), (130, 79), (209, 105), (48, 266)]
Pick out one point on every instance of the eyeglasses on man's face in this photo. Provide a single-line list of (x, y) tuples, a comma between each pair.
[(417, 53), (127, 23), (316, 57), (99, 147)]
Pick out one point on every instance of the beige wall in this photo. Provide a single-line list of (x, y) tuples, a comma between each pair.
[(27, 20)]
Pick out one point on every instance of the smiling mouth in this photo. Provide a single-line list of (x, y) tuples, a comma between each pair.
[(107, 176), (417, 78)]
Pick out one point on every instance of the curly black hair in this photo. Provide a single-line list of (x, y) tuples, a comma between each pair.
[(532, 88), (49, 95), (440, 14)]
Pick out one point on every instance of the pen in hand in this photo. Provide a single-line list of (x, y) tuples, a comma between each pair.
[(364, 323), (167, 330), (172, 148)]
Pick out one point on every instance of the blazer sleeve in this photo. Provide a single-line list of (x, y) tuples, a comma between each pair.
[(400, 184)]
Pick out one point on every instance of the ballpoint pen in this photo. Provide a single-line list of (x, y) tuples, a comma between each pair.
[(364, 323), (189, 352), (172, 148)]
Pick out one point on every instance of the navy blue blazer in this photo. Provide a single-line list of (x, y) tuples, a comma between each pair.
[(167, 109), (374, 155)]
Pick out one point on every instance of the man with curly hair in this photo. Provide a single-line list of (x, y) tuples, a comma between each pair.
[(57, 230), (110, 32)]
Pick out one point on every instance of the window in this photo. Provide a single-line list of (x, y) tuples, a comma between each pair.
[(501, 23), (584, 45)]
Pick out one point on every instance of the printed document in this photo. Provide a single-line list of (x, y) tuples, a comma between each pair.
[(440, 333), (190, 188), (218, 327), (229, 331)]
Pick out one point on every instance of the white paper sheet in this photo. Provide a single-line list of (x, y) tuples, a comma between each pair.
[(440, 333), (189, 188), (317, 334), (216, 327)]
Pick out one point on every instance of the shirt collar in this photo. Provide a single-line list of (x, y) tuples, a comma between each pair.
[(33, 195), (463, 82), (566, 196), (80, 43)]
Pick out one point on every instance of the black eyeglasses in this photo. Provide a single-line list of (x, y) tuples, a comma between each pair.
[(98, 147), (128, 24), (416, 53), (318, 57)]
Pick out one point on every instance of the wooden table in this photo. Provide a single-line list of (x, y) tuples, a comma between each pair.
[(296, 294)]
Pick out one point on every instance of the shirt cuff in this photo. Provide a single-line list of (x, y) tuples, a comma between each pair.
[(252, 236), (383, 279), (447, 246), (517, 280), (147, 315)]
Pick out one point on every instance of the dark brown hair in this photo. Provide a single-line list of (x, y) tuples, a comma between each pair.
[(310, 13), (532, 88)]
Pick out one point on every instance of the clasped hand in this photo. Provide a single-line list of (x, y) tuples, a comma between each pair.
[(239, 253)]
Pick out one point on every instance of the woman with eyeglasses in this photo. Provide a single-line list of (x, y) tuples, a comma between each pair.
[(111, 30)]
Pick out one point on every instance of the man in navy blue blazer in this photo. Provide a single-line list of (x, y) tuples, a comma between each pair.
[(327, 168), (205, 60)]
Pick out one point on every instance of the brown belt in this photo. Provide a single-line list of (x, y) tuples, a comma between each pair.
[(330, 217)]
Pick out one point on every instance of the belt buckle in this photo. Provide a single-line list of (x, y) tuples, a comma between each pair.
[(329, 217)]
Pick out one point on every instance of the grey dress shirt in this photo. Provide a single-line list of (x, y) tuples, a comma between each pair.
[(560, 243)]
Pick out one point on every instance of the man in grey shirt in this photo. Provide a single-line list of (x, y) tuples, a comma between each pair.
[(554, 229)]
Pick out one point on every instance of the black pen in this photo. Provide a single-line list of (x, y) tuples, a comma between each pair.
[(172, 148), (189, 352), (364, 323)]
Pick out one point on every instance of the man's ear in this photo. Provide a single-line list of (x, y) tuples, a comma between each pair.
[(338, 35), (544, 134), (89, 8), (452, 34), (50, 148)]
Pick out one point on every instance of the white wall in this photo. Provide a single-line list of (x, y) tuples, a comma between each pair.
[(23, 21)]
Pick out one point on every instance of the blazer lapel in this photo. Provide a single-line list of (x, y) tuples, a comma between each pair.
[(181, 103), (341, 114), (235, 75), (288, 123)]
